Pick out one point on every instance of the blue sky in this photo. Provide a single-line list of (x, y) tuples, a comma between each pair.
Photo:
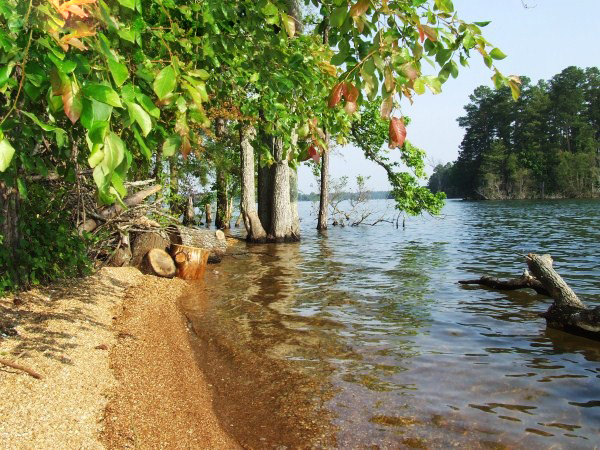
[(540, 41)]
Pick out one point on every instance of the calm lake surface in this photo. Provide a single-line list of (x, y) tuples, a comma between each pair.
[(364, 338)]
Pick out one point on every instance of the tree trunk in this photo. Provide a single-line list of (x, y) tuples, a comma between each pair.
[(222, 200), (264, 196), (524, 282), (281, 212), (190, 261), (158, 262), (294, 204), (254, 229), (208, 211), (9, 220), (158, 164), (188, 217), (324, 195)]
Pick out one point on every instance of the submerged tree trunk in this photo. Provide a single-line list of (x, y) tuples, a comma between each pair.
[(282, 218), (264, 190), (188, 217), (324, 195), (222, 201), (254, 229), (208, 211)]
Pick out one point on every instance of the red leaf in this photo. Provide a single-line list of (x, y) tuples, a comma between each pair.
[(72, 105), (421, 33), (359, 8), (397, 132), (314, 153), (350, 92), (336, 94)]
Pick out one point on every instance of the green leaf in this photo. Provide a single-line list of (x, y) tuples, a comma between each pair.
[(22, 187), (94, 112), (200, 73), (497, 54), (64, 66), (143, 147), (96, 157), (127, 4), (483, 24), (118, 71), (269, 9), (114, 151), (148, 105), (97, 133), (338, 16), (171, 145), (6, 154), (103, 94), (165, 82), (41, 124), (5, 72), (137, 114)]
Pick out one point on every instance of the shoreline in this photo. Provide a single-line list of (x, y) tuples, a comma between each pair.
[(118, 369)]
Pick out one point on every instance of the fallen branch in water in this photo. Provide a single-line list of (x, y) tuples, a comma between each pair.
[(523, 282), (16, 366)]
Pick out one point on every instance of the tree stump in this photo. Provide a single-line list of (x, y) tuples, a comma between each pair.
[(158, 262), (190, 261)]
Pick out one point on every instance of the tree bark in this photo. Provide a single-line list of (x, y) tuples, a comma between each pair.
[(174, 200), (294, 204), (254, 229)]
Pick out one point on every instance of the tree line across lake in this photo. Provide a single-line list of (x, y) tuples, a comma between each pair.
[(544, 145)]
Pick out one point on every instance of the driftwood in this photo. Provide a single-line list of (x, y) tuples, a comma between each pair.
[(211, 240), (567, 312), (112, 211), (523, 282), (16, 366), (190, 261), (158, 262)]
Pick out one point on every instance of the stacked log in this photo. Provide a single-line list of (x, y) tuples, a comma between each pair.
[(212, 240), (144, 241), (158, 262)]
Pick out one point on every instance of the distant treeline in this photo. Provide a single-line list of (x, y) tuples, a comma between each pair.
[(546, 144), (373, 195)]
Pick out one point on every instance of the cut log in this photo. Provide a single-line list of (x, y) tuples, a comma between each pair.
[(523, 282), (112, 211), (211, 240), (191, 261), (144, 241), (158, 262)]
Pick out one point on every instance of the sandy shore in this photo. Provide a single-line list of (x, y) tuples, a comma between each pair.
[(116, 363)]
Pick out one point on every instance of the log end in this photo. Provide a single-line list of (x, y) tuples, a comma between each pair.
[(158, 262)]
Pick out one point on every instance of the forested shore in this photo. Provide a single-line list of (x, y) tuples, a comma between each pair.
[(544, 145)]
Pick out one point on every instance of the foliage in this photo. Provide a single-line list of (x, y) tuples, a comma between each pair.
[(369, 134), (545, 144), (50, 247)]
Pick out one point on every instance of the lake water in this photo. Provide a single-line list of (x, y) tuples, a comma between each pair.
[(364, 338)]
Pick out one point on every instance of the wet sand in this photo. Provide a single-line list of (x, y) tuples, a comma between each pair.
[(163, 399), (117, 367)]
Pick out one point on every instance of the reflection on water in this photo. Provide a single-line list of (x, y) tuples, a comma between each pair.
[(364, 338)]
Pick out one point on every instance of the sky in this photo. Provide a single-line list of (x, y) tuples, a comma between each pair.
[(540, 41)]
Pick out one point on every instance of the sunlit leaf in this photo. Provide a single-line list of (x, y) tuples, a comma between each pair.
[(397, 132), (139, 115), (103, 94), (359, 8), (6, 154), (165, 82)]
